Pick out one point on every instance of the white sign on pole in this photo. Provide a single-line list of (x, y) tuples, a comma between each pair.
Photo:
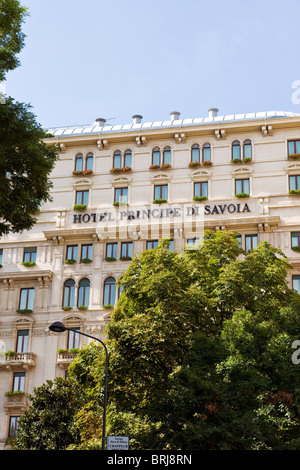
[(117, 443)]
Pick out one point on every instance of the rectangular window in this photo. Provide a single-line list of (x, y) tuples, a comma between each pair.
[(293, 147), (127, 249), (13, 425), (206, 153), (296, 283), (294, 182), (121, 195), (239, 238), (22, 341), (19, 382), (1, 256), (27, 299), (242, 186), (151, 244), (192, 241), (72, 251), (111, 250), (251, 242), (82, 197), (89, 163), (87, 252), (29, 254), (128, 159), (167, 156), (201, 189), (161, 192), (171, 245), (295, 239), (73, 339)]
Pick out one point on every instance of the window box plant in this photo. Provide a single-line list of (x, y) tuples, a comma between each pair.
[(24, 310), (10, 353), (241, 195), (117, 204), (107, 307), (82, 172), (237, 160), (70, 261), (74, 350), (296, 248), (165, 166), (194, 164), (126, 169), (67, 308), (110, 259), (116, 170), (79, 207), (125, 258), (82, 307), (86, 260), (207, 163), (247, 160), (295, 191), (13, 393), (199, 198), (0, 265), (294, 156), (154, 167), (160, 201), (28, 264)]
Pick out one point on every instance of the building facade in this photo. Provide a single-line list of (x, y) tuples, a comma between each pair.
[(118, 190)]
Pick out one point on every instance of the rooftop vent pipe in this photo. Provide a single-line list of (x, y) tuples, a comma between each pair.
[(174, 115), (212, 112), (137, 119), (99, 122)]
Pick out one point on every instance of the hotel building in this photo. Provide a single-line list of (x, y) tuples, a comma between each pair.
[(117, 190)]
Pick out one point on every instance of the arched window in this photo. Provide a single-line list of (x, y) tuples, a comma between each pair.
[(69, 293), (247, 149), (117, 163), (84, 293), (128, 158), (109, 291), (156, 156), (89, 162), (79, 162), (236, 150), (195, 153), (167, 156), (206, 153)]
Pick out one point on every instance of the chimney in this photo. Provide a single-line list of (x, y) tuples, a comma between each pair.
[(174, 115), (212, 112), (99, 122), (137, 119)]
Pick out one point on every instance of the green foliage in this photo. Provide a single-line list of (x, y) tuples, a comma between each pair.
[(12, 16), (200, 348), (25, 165), (49, 423)]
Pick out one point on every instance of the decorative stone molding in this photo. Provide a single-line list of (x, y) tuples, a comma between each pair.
[(220, 134), (140, 141), (102, 144), (267, 130)]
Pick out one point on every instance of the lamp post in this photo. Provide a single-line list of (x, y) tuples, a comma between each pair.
[(59, 327)]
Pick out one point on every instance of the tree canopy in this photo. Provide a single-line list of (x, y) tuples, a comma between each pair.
[(25, 160), (200, 347)]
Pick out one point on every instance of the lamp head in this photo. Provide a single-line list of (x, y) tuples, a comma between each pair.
[(57, 327)]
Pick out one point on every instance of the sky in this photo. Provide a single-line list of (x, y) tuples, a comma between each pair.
[(112, 59)]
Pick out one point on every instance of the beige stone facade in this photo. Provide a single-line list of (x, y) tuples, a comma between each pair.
[(153, 192)]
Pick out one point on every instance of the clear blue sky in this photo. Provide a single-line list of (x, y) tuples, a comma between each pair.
[(115, 58)]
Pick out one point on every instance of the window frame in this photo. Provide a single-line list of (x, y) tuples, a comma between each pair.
[(84, 292), (29, 302), (69, 292), (111, 288), (242, 181), (32, 252), (251, 237), (161, 186)]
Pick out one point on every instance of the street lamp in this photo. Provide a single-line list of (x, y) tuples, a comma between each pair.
[(59, 327)]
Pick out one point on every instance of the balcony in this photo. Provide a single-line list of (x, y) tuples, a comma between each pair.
[(16, 402), (17, 361), (64, 358)]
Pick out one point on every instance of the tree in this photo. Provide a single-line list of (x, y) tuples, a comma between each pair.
[(25, 160), (200, 347), (49, 423), (12, 15)]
